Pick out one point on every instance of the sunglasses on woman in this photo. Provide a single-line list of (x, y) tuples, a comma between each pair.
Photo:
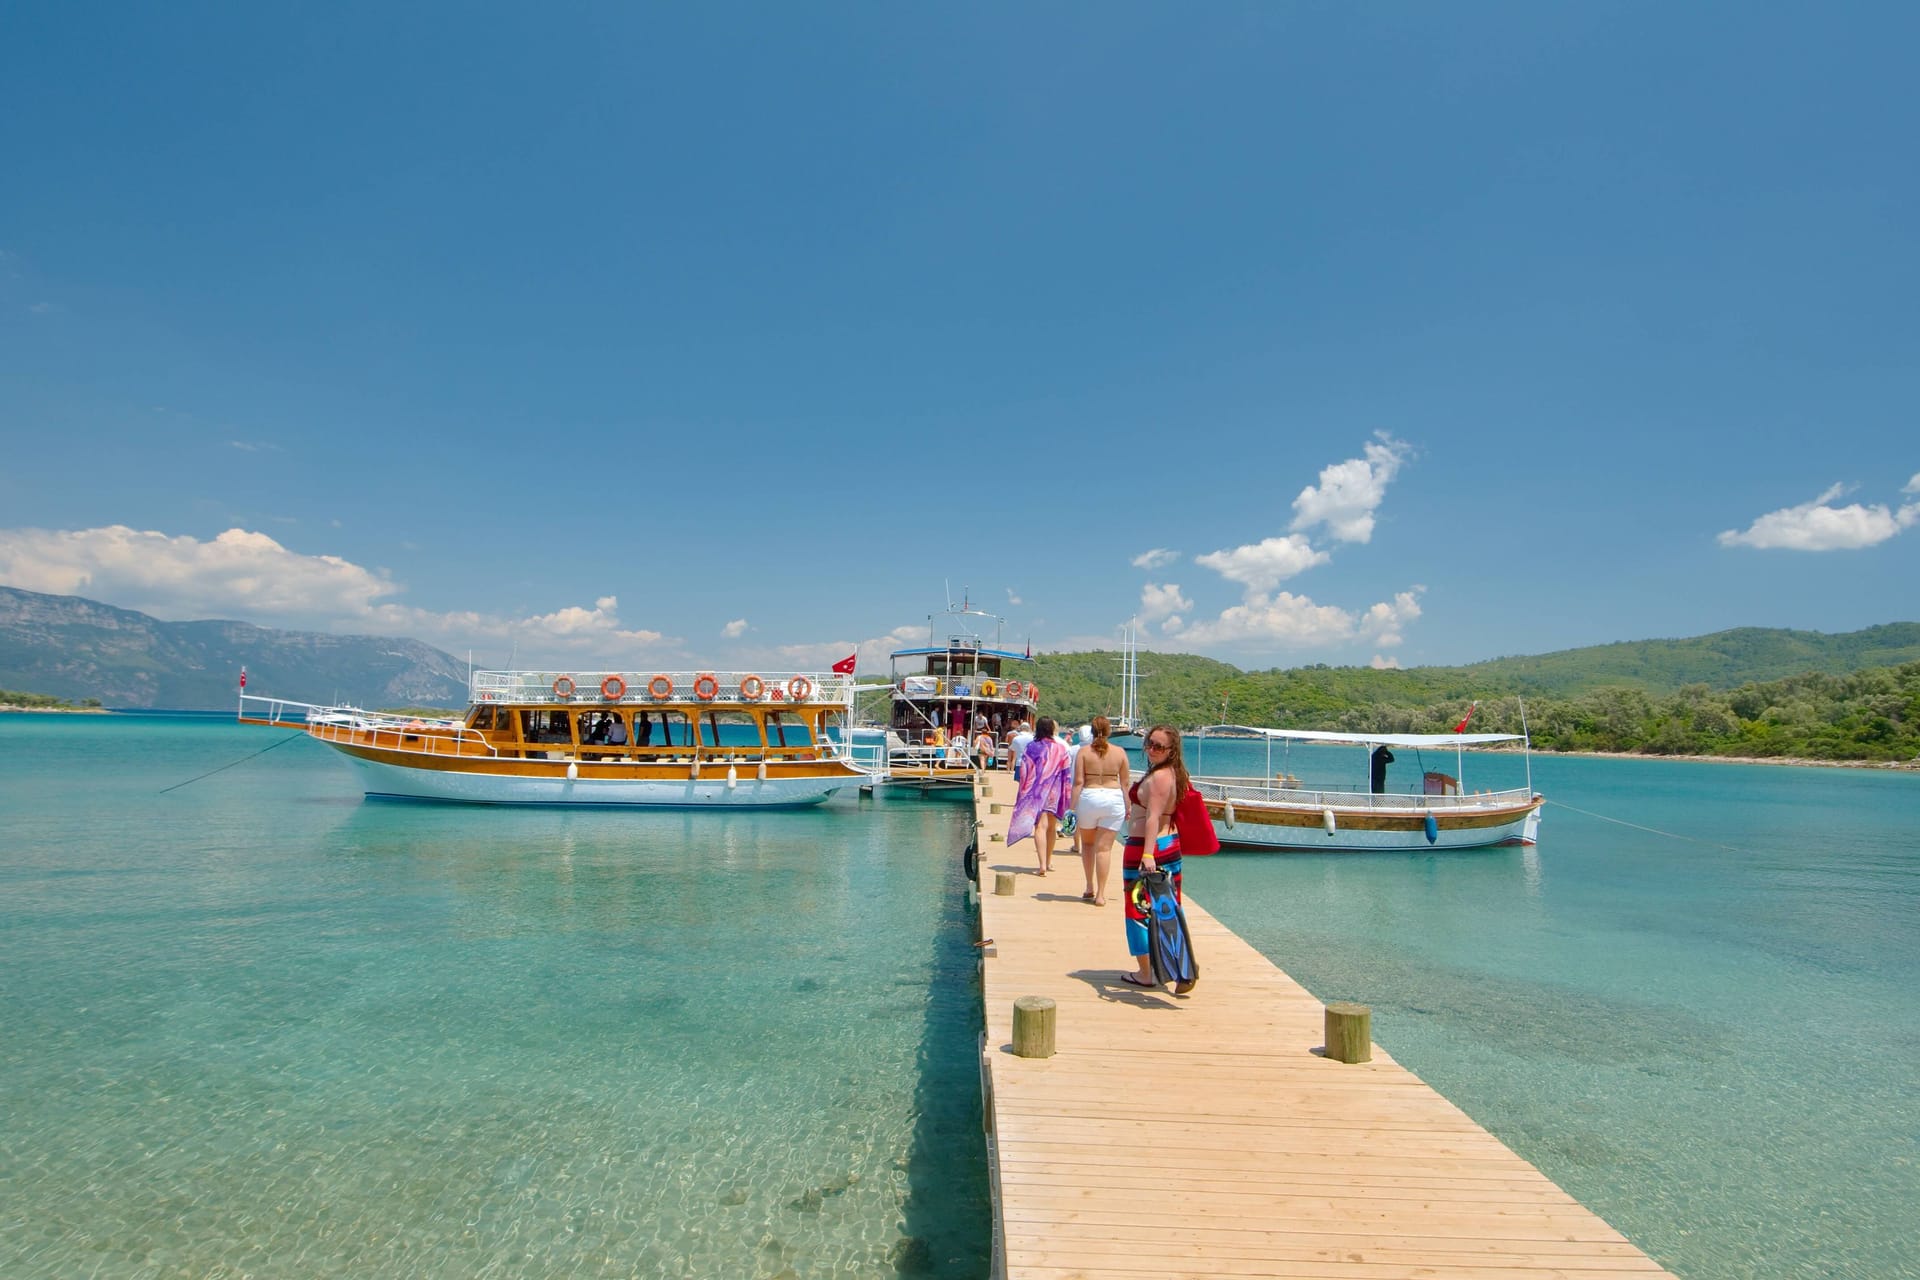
[(1159, 746)]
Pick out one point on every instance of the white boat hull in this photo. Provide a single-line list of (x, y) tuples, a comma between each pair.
[(1402, 829), (710, 791)]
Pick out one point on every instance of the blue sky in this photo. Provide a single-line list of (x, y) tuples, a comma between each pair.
[(739, 333)]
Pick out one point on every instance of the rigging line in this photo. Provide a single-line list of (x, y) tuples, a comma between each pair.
[(1671, 835), (242, 760)]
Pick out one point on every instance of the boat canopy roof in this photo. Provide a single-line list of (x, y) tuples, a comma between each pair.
[(1363, 739), (927, 650)]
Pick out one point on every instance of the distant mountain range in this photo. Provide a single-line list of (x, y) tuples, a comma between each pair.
[(74, 648)]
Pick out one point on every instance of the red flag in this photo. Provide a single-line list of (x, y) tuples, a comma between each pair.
[(1462, 726), (243, 677), (1029, 649), (844, 667)]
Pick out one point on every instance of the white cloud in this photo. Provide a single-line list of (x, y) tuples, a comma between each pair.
[(1159, 602), (1291, 621), (1913, 485), (1820, 526), (873, 652), (1349, 492), (735, 629), (1012, 598), (1264, 565), (250, 576), (1384, 664), (1158, 558)]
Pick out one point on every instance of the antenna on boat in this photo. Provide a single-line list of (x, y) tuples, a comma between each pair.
[(1526, 742)]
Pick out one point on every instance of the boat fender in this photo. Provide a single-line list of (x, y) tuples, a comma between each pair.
[(1326, 820), (693, 770), (1229, 815), (573, 770), (1433, 829), (970, 859), (761, 773), (733, 777)]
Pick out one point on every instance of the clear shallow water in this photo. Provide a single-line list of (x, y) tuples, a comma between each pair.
[(1714, 1045), (259, 1025)]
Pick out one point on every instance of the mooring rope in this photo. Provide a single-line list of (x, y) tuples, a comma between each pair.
[(242, 760), (1671, 835)]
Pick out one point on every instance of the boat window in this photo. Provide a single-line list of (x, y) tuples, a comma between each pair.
[(662, 729), (833, 726), (788, 731), (482, 717), (546, 726), (729, 729)]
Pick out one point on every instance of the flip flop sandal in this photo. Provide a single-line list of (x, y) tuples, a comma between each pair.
[(1135, 980)]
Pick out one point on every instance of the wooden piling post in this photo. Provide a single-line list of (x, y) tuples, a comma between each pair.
[(1033, 1027), (1003, 884), (993, 806), (1349, 1032)]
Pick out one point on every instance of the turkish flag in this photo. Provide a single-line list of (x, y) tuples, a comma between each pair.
[(844, 667)]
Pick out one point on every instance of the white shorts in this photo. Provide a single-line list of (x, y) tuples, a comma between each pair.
[(1103, 808)]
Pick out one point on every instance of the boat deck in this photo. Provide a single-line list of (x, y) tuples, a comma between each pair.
[(1208, 1136)]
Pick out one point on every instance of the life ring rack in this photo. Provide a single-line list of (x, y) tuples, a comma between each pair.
[(612, 689), (752, 688), (660, 688), (799, 689), (706, 686), (563, 686)]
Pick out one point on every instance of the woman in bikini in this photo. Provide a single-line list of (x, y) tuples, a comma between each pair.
[(1099, 802), (1152, 842)]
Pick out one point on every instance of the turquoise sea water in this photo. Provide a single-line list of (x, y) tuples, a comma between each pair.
[(260, 1026), (1713, 1042)]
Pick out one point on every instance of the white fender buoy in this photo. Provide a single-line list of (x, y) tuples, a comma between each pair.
[(573, 770), (694, 770), (1326, 820), (761, 772), (733, 777), (1229, 815), (1433, 828)]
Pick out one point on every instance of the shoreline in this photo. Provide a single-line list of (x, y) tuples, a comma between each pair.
[(58, 711), (1907, 766)]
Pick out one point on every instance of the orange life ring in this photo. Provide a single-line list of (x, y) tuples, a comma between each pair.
[(799, 688), (660, 687), (752, 687), (705, 687), (1013, 688), (613, 688), (563, 687), (1033, 691)]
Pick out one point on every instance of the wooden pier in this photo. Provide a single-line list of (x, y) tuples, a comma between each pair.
[(1207, 1135)]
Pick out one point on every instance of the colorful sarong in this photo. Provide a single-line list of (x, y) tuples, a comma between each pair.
[(1166, 854), (1046, 786)]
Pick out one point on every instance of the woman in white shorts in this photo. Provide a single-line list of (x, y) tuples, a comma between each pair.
[(1100, 774)]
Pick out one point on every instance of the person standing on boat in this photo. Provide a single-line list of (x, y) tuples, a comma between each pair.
[(1381, 759), (1100, 772), (1046, 787), (985, 750), (1152, 843)]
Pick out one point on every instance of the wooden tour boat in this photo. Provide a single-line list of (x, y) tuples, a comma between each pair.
[(1276, 811), (939, 690), (690, 739)]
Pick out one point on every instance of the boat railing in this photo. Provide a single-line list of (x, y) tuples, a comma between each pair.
[(644, 688), (430, 735), (1266, 790)]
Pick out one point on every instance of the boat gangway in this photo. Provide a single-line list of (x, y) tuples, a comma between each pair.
[(1210, 1135)]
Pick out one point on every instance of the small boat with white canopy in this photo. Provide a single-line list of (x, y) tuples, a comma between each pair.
[(1280, 811)]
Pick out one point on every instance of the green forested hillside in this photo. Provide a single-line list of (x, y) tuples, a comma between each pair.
[(1747, 692)]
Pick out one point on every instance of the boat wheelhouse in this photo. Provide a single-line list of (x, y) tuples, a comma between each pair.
[(1278, 811), (943, 691), (689, 739)]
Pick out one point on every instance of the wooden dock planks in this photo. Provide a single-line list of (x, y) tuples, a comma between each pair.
[(1204, 1136)]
